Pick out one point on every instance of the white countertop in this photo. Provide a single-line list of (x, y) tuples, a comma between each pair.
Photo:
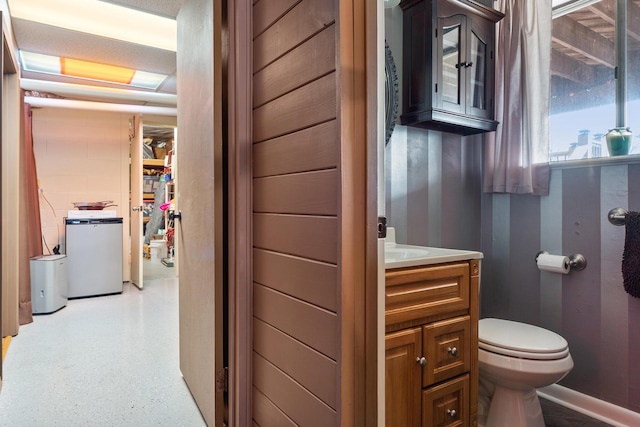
[(399, 256)]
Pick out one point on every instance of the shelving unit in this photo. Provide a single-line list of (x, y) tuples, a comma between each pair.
[(150, 167), (169, 195)]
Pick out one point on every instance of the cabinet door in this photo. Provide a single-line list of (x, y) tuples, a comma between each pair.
[(479, 70), (403, 374), (447, 405), (451, 63), (447, 347)]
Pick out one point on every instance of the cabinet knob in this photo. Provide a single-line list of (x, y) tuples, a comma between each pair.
[(421, 361), (453, 351), (452, 413)]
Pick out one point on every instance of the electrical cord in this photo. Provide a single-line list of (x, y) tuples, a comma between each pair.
[(56, 249)]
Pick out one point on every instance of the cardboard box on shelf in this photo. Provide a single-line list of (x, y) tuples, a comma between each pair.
[(159, 153)]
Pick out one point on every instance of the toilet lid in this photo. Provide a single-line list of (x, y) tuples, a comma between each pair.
[(520, 339)]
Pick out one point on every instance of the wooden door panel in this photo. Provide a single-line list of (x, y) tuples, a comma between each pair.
[(292, 70), (299, 24), (311, 193), (311, 325), (266, 413), (310, 149), (297, 402), (266, 13), (311, 281), (310, 105), (276, 346), (312, 237)]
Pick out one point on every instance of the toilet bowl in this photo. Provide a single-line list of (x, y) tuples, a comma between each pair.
[(515, 359)]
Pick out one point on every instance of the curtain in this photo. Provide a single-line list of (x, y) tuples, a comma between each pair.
[(30, 229), (516, 155)]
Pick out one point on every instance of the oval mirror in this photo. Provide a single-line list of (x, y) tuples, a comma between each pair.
[(390, 93)]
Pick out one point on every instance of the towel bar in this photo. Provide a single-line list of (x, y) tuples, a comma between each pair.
[(617, 215)]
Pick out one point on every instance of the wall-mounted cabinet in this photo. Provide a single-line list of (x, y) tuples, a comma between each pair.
[(449, 65)]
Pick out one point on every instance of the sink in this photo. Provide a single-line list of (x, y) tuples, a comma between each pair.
[(398, 255)]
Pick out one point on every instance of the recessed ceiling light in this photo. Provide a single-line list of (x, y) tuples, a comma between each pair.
[(39, 63), (102, 19)]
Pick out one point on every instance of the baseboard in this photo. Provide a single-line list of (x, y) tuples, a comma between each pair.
[(590, 406)]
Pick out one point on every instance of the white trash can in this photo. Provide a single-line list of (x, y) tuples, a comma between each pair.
[(158, 249)]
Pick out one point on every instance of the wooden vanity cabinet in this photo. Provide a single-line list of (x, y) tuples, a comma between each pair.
[(448, 65), (431, 343)]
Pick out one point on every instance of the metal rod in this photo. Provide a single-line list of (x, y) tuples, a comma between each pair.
[(621, 63), (617, 216)]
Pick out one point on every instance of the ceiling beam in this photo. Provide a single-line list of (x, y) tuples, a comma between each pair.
[(566, 67), (75, 90), (607, 12), (99, 106), (584, 41)]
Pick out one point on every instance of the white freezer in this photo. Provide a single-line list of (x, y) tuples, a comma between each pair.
[(94, 252)]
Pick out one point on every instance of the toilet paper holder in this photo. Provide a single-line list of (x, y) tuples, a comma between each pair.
[(576, 261)]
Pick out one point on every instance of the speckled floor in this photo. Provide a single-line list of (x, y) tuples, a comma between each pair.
[(104, 361)]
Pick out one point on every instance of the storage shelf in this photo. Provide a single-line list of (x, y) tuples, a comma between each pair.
[(153, 162)]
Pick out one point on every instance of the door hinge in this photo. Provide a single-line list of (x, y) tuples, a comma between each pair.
[(382, 227), (222, 380)]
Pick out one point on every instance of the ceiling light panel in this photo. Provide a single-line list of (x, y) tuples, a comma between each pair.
[(98, 18), (89, 70)]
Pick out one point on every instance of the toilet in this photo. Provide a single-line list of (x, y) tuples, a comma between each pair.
[(514, 360)]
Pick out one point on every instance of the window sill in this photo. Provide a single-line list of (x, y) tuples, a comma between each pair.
[(602, 161)]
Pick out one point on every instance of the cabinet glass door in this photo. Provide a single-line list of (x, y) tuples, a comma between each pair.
[(478, 72), (450, 62)]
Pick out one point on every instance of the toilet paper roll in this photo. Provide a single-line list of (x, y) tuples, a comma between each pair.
[(553, 263)]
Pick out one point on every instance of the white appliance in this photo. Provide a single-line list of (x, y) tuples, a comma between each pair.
[(94, 252), (48, 283)]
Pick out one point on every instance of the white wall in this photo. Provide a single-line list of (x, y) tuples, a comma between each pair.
[(81, 156)]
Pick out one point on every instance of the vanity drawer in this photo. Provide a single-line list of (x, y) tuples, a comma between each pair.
[(447, 348), (419, 292), (446, 405)]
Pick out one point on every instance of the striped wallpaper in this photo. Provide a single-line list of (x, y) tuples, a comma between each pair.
[(434, 197)]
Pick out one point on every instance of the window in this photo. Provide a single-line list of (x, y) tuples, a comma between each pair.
[(583, 86)]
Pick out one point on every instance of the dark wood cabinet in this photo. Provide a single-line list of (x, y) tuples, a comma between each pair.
[(449, 65)]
